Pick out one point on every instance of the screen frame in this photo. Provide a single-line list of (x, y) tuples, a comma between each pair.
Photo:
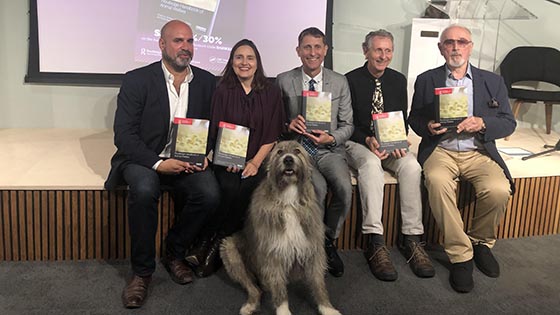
[(34, 75)]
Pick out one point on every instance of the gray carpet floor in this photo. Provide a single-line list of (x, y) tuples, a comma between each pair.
[(529, 284)]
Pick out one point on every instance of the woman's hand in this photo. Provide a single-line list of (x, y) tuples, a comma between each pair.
[(251, 169)]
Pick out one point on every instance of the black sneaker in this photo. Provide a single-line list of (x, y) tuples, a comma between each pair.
[(379, 262), (485, 261), (334, 263), (418, 259), (460, 277)]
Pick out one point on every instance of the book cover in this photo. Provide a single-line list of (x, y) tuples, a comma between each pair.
[(317, 110), (453, 106), (231, 145), (390, 131), (190, 137)]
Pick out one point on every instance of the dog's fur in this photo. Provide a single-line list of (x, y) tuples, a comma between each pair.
[(283, 237)]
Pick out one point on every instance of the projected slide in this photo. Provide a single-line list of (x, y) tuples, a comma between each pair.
[(118, 36), (211, 47)]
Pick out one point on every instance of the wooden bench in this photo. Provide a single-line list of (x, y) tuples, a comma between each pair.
[(92, 224), (53, 207)]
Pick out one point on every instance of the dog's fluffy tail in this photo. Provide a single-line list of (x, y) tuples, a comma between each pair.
[(238, 271)]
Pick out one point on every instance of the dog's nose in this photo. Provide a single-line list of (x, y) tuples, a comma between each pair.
[(288, 161)]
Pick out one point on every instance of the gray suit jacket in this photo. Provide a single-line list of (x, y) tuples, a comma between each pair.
[(342, 126)]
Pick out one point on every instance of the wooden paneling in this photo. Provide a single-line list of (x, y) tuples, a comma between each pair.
[(79, 225), (534, 210)]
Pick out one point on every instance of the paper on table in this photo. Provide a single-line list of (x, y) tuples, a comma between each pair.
[(514, 151)]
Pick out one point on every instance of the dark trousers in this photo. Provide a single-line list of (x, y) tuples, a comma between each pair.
[(200, 195), (236, 196)]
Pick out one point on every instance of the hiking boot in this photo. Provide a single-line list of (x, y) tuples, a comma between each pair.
[(418, 259), (379, 261)]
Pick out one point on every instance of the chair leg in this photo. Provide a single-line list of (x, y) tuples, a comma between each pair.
[(516, 107), (548, 116)]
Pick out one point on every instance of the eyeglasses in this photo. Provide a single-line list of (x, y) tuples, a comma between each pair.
[(461, 43)]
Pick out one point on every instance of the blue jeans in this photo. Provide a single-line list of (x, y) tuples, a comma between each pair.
[(199, 196)]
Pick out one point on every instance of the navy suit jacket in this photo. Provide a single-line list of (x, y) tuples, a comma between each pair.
[(142, 118), (491, 103)]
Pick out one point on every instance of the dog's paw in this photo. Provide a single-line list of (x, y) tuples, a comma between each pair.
[(328, 310), (248, 309), (283, 309)]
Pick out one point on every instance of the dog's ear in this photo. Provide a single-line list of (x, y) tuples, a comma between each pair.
[(266, 161), (306, 158), (269, 157)]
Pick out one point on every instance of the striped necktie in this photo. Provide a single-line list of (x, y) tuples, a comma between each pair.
[(307, 143), (312, 85)]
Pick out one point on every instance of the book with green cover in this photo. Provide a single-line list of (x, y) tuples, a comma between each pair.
[(231, 145), (452, 106), (390, 131), (189, 140), (317, 110)]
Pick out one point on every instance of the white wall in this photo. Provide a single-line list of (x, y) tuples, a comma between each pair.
[(43, 106), (51, 106)]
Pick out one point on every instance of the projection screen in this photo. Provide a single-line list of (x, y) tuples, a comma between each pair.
[(95, 42)]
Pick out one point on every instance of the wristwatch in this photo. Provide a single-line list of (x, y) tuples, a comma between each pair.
[(332, 144), (483, 129)]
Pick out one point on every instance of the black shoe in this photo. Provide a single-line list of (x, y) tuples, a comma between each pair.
[(197, 253), (460, 277), (418, 259), (212, 261), (334, 263), (379, 262), (485, 261)]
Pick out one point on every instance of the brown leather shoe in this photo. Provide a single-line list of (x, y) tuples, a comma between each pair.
[(379, 262), (178, 269), (135, 293)]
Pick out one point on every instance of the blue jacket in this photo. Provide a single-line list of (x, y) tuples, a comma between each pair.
[(491, 103)]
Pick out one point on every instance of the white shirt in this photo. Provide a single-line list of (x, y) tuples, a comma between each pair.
[(178, 104), (318, 79)]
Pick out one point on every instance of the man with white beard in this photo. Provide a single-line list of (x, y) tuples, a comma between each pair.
[(467, 151)]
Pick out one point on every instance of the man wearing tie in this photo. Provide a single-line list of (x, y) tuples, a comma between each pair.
[(375, 88), (326, 149)]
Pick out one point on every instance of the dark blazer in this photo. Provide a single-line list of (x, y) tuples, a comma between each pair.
[(491, 103), (362, 89), (142, 118)]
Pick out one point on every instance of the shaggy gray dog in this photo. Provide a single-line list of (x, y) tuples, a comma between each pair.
[(283, 237)]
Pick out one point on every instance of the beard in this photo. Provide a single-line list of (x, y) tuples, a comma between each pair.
[(178, 63), (456, 61)]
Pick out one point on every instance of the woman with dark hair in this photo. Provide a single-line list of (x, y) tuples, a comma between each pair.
[(243, 97)]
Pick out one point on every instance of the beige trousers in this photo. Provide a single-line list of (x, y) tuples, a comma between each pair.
[(492, 193)]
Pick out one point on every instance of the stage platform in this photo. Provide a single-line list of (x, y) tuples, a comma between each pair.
[(54, 207)]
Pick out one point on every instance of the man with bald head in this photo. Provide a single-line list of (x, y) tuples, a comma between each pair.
[(149, 99), (467, 152)]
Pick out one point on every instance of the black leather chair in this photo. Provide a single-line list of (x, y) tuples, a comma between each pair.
[(532, 63)]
